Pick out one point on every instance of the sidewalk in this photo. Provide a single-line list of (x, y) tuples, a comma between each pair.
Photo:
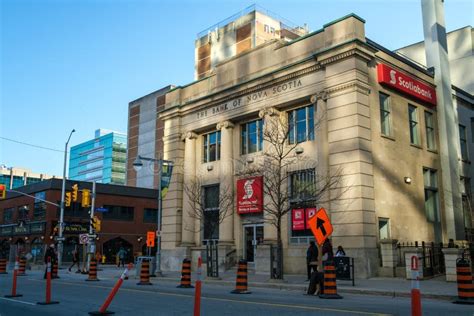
[(436, 288)]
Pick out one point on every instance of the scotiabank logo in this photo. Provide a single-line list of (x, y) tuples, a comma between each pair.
[(407, 84), (250, 195)]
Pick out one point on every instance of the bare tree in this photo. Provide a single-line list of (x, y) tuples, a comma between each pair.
[(212, 212), (282, 191)]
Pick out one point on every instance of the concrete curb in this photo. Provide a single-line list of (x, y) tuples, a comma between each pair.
[(343, 289)]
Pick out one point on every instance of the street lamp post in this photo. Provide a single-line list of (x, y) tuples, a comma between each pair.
[(137, 165), (61, 214)]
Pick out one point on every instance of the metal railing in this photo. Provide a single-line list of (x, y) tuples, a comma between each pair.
[(432, 257)]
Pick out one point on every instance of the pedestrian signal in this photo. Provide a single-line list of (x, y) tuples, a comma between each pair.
[(3, 191)]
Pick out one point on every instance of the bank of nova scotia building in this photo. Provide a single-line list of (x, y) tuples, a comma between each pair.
[(354, 109)]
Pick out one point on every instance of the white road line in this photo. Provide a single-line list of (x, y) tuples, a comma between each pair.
[(17, 301)]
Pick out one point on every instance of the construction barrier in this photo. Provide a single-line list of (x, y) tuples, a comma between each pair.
[(54, 273), (329, 284), (197, 293), (22, 267), (15, 273), (145, 273), (48, 285), (3, 266), (415, 287), (241, 280), (108, 300), (464, 279), (186, 275)]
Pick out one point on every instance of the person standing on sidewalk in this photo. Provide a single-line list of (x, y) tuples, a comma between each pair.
[(50, 253), (75, 260), (311, 258), (328, 254)]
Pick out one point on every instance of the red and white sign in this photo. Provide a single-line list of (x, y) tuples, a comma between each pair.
[(404, 83), (298, 219), (310, 212), (250, 195)]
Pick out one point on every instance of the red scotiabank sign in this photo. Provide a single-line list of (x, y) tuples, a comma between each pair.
[(395, 79), (298, 219), (250, 195)]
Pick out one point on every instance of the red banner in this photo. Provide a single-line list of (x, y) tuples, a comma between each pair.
[(402, 82), (310, 212), (250, 195), (298, 219)]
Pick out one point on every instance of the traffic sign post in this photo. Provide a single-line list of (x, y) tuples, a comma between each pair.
[(83, 239), (320, 226), (415, 287), (150, 239)]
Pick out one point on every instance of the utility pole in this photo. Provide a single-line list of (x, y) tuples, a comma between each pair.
[(61, 214), (91, 229)]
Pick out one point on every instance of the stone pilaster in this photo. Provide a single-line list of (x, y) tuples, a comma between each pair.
[(450, 257), (189, 170), (226, 227)]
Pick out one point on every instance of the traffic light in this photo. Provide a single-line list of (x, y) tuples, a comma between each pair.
[(75, 188), (86, 198), (3, 191), (67, 199), (95, 222)]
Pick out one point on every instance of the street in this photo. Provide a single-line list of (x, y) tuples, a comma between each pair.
[(78, 297)]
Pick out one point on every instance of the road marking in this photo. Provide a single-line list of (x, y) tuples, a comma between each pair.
[(305, 307), (17, 301)]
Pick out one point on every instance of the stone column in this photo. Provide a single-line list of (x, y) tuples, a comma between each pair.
[(388, 249), (450, 257), (189, 169), (226, 227), (269, 231)]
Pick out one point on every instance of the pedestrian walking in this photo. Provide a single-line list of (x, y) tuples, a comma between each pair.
[(50, 253), (340, 252), (121, 255), (75, 260), (311, 258)]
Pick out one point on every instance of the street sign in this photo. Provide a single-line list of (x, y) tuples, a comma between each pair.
[(150, 239), (83, 239), (101, 209), (320, 226), (60, 238), (92, 235)]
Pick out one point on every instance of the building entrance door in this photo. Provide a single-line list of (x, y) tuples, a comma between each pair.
[(253, 236)]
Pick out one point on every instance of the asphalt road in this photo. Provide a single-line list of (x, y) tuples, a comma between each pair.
[(78, 297)]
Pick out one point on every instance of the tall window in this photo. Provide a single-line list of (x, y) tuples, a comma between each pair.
[(121, 213), (39, 210), (8, 215), (430, 131), (385, 114), (431, 194), (23, 212), (211, 212), (302, 185), (463, 142), (301, 124), (150, 215), (384, 232), (466, 201), (413, 123), (252, 137), (212, 146)]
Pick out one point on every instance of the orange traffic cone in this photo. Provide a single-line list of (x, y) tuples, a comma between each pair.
[(241, 281), (186, 275), (329, 286)]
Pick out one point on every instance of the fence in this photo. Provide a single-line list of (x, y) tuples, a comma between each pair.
[(432, 257), (212, 259)]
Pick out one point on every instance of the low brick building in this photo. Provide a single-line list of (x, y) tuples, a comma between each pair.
[(28, 225)]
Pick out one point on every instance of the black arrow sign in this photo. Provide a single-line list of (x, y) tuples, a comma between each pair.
[(320, 225)]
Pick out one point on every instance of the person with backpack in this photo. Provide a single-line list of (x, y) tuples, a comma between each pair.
[(311, 259)]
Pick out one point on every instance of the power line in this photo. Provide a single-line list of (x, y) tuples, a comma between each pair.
[(32, 145)]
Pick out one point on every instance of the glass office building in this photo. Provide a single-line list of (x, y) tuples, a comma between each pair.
[(101, 159), (14, 177)]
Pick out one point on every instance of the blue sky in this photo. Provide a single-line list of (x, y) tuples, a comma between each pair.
[(77, 63)]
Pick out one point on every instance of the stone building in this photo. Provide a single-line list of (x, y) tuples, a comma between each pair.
[(355, 109)]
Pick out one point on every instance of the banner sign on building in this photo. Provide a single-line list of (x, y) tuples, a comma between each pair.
[(166, 172), (310, 212), (250, 195), (399, 81), (298, 219)]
